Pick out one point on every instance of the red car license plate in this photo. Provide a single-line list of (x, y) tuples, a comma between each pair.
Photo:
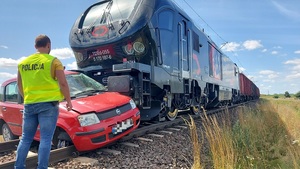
[(124, 125)]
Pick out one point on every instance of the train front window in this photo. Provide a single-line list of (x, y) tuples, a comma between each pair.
[(108, 12)]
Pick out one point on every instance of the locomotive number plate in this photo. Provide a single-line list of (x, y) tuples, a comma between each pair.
[(101, 53)]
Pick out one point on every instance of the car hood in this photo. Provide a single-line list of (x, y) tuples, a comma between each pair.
[(97, 103)]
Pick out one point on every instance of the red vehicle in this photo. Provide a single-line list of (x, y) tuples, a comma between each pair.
[(98, 117)]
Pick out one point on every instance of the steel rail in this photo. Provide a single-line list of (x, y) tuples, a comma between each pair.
[(9, 145), (55, 156)]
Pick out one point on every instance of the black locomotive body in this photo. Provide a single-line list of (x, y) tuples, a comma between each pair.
[(152, 51)]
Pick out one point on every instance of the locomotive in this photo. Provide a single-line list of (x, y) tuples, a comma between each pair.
[(152, 51)]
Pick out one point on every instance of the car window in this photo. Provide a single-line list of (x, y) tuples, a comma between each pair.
[(11, 92)]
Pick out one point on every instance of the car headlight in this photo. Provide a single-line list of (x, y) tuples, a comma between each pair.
[(133, 105), (88, 119)]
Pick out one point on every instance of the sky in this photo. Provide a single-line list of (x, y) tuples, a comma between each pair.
[(261, 36)]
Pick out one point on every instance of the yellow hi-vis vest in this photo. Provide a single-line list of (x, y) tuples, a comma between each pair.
[(38, 84)]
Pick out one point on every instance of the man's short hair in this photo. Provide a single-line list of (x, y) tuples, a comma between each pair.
[(42, 41)]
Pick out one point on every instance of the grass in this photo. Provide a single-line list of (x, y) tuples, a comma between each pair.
[(196, 145), (264, 136)]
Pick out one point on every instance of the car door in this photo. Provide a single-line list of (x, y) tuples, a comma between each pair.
[(12, 109)]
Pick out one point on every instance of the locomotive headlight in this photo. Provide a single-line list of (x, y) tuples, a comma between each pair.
[(128, 49), (139, 47), (88, 119), (133, 105)]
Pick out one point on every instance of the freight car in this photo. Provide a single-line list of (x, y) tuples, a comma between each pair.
[(248, 90), (152, 51)]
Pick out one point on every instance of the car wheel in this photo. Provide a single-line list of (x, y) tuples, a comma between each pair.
[(62, 143), (60, 139), (7, 134)]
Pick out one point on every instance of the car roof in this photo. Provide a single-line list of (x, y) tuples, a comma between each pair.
[(67, 72)]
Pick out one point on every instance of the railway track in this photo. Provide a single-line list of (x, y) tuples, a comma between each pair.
[(66, 153)]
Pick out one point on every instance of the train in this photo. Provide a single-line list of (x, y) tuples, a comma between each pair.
[(152, 51)]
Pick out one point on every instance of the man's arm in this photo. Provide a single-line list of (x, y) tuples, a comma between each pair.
[(20, 85), (64, 87)]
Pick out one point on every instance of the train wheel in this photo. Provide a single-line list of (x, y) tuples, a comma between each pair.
[(196, 110), (7, 133), (172, 114)]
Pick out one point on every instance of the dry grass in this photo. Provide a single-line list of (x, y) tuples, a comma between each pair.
[(220, 141), (196, 144), (264, 136)]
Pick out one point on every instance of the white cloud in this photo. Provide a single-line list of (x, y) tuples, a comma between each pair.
[(294, 62), (3, 46), (252, 44), (274, 52), (295, 74), (268, 75), (72, 66), (295, 65), (231, 47), (62, 53), (264, 50), (269, 80), (266, 72), (297, 52), (277, 47), (242, 69), (272, 76), (248, 45), (6, 75), (9, 62), (296, 68)]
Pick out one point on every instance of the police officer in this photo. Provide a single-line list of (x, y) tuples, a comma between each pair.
[(42, 83)]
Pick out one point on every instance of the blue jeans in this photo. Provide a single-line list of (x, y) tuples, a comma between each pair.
[(45, 115)]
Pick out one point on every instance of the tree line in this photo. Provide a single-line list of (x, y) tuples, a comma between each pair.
[(288, 95)]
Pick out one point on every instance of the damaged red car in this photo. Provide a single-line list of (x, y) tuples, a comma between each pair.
[(98, 117)]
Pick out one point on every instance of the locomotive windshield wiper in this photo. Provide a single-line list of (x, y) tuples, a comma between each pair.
[(106, 12), (103, 16)]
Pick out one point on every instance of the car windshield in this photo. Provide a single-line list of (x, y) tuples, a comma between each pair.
[(81, 84)]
